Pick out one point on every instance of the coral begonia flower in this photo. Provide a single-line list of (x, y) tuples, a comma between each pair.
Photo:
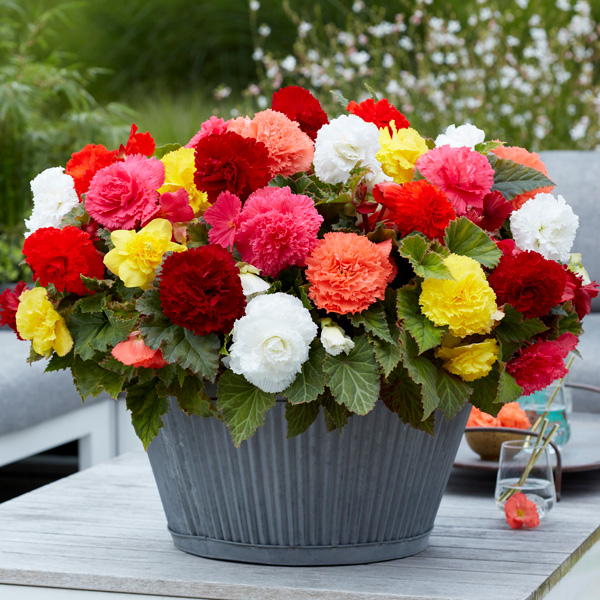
[(223, 217), (134, 352), (519, 511)]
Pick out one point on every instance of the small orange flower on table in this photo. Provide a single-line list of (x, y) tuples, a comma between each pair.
[(520, 511)]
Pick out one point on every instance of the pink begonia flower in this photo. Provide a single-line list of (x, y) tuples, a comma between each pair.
[(465, 175), (277, 229), (134, 352), (290, 149), (124, 194), (175, 206), (210, 126), (223, 217)]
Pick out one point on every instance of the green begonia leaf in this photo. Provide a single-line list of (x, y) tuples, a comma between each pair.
[(160, 151), (300, 417), (425, 262), (147, 408), (512, 179), (91, 379), (336, 415), (310, 383), (374, 321), (453, 393), (465, 238)]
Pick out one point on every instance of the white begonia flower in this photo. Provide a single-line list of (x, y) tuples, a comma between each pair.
[(54, 196), (333, 338), (271, 342), (466, 135), (547, 225), (341, 144), (252, 284)]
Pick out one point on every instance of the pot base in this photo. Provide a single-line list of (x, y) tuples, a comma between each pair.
[(300, 556)]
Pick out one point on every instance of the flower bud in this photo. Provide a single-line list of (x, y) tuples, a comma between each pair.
[(333, 338)]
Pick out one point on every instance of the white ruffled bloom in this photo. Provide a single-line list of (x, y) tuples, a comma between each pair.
[(333, 338), (547, 225), (54, 196), (341, 144), (271, 342), (464, 135), (252, 284)]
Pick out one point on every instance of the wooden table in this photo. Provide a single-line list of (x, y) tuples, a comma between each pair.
[(103, 530)]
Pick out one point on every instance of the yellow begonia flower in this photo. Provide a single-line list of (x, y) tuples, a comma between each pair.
[(400, 151), (179, 173), (471, 361), (39, 322), (137, 255), (466, 303)]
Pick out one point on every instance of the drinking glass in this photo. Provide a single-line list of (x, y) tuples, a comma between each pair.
[(538, 486)]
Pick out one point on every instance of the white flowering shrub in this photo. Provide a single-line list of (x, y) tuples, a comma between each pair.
[(528, 72)]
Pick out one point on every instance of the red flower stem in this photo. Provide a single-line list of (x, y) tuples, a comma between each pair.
[(381, 213), (365, 220)]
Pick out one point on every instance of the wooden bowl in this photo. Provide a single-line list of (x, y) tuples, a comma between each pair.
[(486, 441)]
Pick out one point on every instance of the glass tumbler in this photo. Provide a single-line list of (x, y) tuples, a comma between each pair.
[(537, 485)]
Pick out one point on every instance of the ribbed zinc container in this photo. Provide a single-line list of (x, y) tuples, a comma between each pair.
[(368, 495)]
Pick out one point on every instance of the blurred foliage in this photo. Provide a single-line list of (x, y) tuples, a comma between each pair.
[(46, 110), (12, 267)]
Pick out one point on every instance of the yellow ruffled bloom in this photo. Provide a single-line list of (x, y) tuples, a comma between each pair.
[(137, 255), (471, 361), (179, 173), (466, 303), (39, 322), (399, 152)]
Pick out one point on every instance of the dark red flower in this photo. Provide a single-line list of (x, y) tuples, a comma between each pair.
[(60, 256), (299, 105), (496, 208), (381, 113), (201, 290), (83, 165), (537, 366), (528, 282), (228, 162), (416, 206), (520, 510), (138, 143), (9, 302), (580, 294)]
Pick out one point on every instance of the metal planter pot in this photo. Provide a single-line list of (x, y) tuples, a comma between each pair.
[(368, 495)]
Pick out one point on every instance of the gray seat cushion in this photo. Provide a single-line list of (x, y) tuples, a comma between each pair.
[(28, 395), (586, 371), (577, 178)]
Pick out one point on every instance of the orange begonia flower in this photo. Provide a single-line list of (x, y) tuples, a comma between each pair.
[(521, 511)]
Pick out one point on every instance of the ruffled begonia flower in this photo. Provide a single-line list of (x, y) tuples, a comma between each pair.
[(223, 217), (400, 150), (290, 149), (466, 303), (478, 418), (528, 159), (134, 352), (299, 105), (529, 283), (347, 272), (535, 367), (252, 284), (512, 415), (83, 165), (137, 255), (138, 143), (210, 126), (381, 113), (334, 339), (175, 207), (465, 175), (202, 291), (519, 511), (277, 229), (471, 361), (179, 174), (466, 135), (581, 295), (54, 196), (271, 342), (9, 303), (491, 216), (228, 162), (125, 194), (547, 225), (416, 206), (344, 143), (61, 256), (38, 321)]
